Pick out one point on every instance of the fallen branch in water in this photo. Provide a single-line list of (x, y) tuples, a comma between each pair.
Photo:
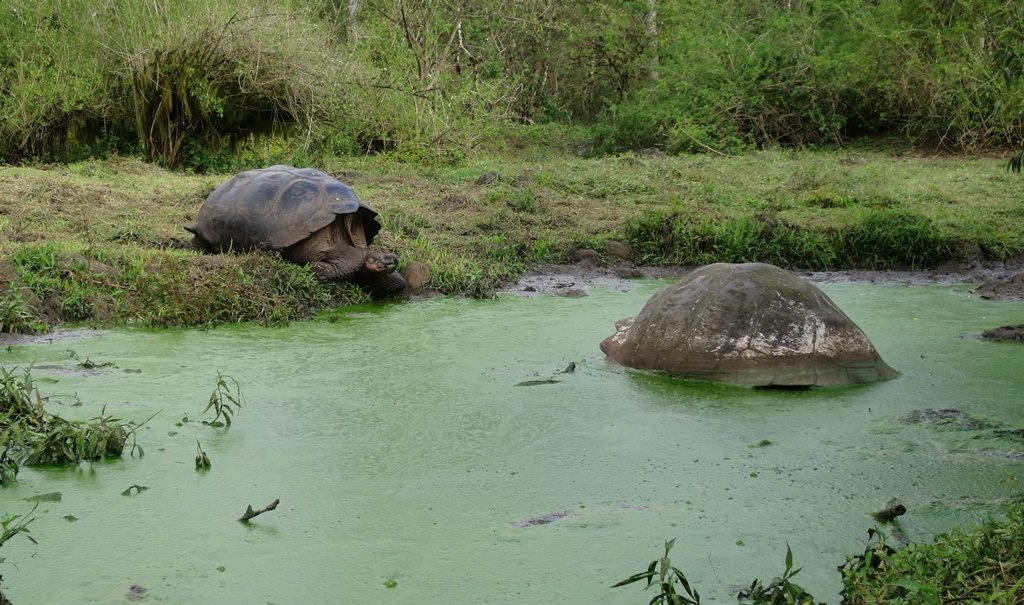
[(250, 513)]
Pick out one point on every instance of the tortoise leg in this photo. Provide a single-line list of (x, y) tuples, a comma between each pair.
[(343, 265), (382, 285)]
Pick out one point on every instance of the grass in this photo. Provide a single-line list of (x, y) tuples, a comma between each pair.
[(100, 240), (30, 434)]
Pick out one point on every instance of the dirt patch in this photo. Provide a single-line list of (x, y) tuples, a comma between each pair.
[(575, 279)]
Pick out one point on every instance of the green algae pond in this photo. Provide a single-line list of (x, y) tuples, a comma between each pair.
[(435, 452)]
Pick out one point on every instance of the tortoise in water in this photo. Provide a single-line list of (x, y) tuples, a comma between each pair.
[(748, 324), (306, 215)]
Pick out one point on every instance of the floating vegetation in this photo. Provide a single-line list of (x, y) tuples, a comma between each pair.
[(29, 434), (224, 401)]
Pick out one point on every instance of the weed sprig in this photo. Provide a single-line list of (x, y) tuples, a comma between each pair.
[(225, 401)]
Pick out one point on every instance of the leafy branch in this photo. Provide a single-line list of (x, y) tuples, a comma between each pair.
[(668, 576)]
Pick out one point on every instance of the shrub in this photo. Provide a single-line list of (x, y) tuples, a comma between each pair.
[(977, 565), (875, 239)]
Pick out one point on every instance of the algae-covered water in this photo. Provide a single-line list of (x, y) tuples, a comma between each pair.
[(412, 468)]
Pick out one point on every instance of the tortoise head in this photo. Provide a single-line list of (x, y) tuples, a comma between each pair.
[(380, 262)]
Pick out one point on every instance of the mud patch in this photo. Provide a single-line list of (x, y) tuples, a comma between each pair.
[(1006, 333), (575, 280), (56, 335), (544, 519), (951, 418), (957, 420), (550, 279), (1009, 288)]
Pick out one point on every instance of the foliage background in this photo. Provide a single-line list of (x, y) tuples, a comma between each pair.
[(201, 84)]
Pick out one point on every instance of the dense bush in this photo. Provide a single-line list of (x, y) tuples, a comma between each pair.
[(190, 83), (82, 78), (803, 72)]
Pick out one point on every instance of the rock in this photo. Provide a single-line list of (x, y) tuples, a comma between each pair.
[(618, 249), (586, 257), (417, 276), (628, 272), (748, 324), (571, 292)]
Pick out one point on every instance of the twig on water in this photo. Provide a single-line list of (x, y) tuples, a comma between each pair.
[(250, 513)]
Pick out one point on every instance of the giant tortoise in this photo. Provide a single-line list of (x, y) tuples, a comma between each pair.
[(749, 324), (306, 215)]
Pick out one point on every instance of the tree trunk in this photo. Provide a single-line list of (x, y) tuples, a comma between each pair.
[(652, 38)]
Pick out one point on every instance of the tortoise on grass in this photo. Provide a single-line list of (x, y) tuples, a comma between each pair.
[(308, 216)]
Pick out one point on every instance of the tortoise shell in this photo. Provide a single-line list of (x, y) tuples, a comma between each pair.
[(276, 207)]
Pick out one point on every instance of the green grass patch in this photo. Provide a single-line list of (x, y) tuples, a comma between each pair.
[(171, 287), (872, 239)]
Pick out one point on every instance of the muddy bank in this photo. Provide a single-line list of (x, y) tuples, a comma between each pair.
[(994, 280), (574, 280), (55, 335)]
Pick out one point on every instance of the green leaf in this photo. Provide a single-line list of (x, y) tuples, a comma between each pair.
[(683, 581), (634, 578)]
